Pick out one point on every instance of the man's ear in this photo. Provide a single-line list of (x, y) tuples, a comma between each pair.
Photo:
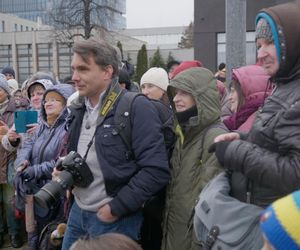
[(109, 71)]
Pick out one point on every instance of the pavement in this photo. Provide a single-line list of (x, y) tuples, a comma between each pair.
[(7, 246)]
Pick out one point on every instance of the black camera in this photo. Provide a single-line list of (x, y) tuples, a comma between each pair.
[(74, 172)]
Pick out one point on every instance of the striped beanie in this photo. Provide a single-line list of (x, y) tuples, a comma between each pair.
[(280, 222)]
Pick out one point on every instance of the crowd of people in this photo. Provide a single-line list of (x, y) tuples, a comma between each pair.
[(116, 176)]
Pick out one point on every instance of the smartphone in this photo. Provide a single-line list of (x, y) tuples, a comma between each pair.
[(23, 118)]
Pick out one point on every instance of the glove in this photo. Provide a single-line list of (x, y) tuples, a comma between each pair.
[(219, 148), (28, 174)]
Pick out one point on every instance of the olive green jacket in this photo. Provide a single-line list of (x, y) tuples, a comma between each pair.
[(192, 165)]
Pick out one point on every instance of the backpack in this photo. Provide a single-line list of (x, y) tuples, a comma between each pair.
[(122, 121), (223, 222), (151, 233)]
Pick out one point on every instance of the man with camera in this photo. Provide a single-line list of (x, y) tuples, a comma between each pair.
[(122, 181)]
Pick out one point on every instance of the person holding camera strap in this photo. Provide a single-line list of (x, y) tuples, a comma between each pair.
[(112, 202)]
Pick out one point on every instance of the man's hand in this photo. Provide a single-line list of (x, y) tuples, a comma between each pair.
[(55, 174), (22, 166), (104, 214)]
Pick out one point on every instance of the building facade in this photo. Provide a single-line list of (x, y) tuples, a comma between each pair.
[(164, 38), (209, 30), (107, 13)]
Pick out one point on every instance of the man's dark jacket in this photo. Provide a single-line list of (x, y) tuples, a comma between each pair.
[(130, 182)]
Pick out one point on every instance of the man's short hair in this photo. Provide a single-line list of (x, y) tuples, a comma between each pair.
[(103, 53)]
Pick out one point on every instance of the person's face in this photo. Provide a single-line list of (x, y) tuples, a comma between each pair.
[(36, 96), (90, 79), (3, 95), (152, 91), (53, 106), (234, 99), (18, 95), (267, 56), (183, 100), (9, 76)]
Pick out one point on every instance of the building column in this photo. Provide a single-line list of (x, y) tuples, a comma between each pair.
[(55, 59), (34, 53), (14, 55), (235, 35)]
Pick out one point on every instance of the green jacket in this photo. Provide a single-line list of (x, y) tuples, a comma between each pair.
[(192, 165)]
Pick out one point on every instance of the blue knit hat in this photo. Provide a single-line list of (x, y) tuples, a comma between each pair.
[(280, 222)]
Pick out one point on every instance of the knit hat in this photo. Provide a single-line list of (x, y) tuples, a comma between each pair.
[(263, 30), (280, 222), (156, 76), (186, 65), (8, 70), (4, 84), (13, 84)]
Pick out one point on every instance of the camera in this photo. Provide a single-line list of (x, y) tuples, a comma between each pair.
[(74, 172)]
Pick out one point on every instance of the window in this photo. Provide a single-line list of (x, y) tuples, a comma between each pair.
[(45, 56), (24, 60), (64, 60), (16, 27), (5, 55)]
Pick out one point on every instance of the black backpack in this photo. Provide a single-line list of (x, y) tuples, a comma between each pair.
[(122, 120), (151, 232)]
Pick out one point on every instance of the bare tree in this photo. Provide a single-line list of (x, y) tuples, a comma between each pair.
[(72, 18)]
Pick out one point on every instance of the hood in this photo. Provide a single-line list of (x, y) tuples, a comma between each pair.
[(284, 20), (66, 90), (253, 80), (46, 83), (202, 85)]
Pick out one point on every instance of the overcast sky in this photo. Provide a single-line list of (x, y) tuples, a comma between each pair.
[(159, 13)]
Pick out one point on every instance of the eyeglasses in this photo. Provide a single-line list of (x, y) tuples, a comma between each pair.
[(50, 100)]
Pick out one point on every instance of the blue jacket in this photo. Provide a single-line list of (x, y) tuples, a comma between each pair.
[(130, 182), (42, 149)]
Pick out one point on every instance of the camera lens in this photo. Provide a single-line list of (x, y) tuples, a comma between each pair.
[(50, 193)]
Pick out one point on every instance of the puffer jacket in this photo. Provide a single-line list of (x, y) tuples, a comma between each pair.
[(42, 149), (255, 86), (267, 162), (192, 165), (6, 156)]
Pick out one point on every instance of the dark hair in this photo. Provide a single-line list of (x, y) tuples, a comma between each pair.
[(103, 53), (109, 241), (124, 78), (221, 66), (237, 86), (171, 64)]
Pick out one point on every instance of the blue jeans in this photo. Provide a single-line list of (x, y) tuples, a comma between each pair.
[(82, 223)]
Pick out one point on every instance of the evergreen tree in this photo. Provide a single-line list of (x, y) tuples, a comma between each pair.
[(157, 60), (142, 63), (187, 40), (119, 45), (170, 58)]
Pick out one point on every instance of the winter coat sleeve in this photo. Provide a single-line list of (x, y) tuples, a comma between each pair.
[(151, 157), (279, 168), (44, 170), (26, 148)]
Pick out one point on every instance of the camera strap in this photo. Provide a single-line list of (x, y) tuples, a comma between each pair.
[(108, 103)]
